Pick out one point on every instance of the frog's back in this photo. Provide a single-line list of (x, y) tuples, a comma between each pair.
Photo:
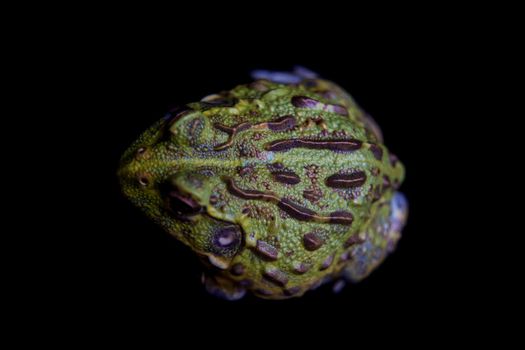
[(279, 187)]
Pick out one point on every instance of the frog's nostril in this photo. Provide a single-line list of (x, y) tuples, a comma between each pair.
[(143, 180)]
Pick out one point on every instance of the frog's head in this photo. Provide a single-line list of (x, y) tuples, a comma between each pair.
[(165, 175), (150, 169)]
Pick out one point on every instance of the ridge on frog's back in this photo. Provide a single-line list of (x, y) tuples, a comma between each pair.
[(278, 185)]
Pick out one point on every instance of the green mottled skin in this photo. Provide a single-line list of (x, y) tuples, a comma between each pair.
[(180, 152)]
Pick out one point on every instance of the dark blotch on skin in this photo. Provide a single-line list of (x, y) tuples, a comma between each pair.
[(292, 291), (244, 171), (352, 180), (285, 123), (311, 195), (386, 182), (352, 240), (276, 276), (237, 269), (224, 128), (286, 177), (341, 110), (304, 102), (302, 268), (327, 262), (376, 193), (341, 217), (266, 250), (312, 241), (376, 151), (393, 159)]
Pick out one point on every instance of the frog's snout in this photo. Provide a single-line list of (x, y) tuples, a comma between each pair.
[(130, 173)]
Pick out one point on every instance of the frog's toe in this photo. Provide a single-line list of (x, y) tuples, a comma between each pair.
[(338, 286), (222, 288)]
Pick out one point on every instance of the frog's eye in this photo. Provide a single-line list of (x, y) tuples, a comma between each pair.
[(226, 240), (180, 204)]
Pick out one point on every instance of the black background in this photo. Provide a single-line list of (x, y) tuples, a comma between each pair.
[(146, 267), (131, 273), (89, 80)]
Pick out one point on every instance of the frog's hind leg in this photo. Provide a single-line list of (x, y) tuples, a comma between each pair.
[(381, 238)]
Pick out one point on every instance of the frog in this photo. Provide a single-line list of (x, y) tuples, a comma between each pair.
[(279, 186)]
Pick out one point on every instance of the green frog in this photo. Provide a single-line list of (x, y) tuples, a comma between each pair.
[(279, 185)]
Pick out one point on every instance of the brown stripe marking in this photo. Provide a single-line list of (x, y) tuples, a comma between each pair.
[(285, 123), (341, 217), (248, 194), (352, 180), (231, 131), (293, 209), (344, 145), (296, 211)]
